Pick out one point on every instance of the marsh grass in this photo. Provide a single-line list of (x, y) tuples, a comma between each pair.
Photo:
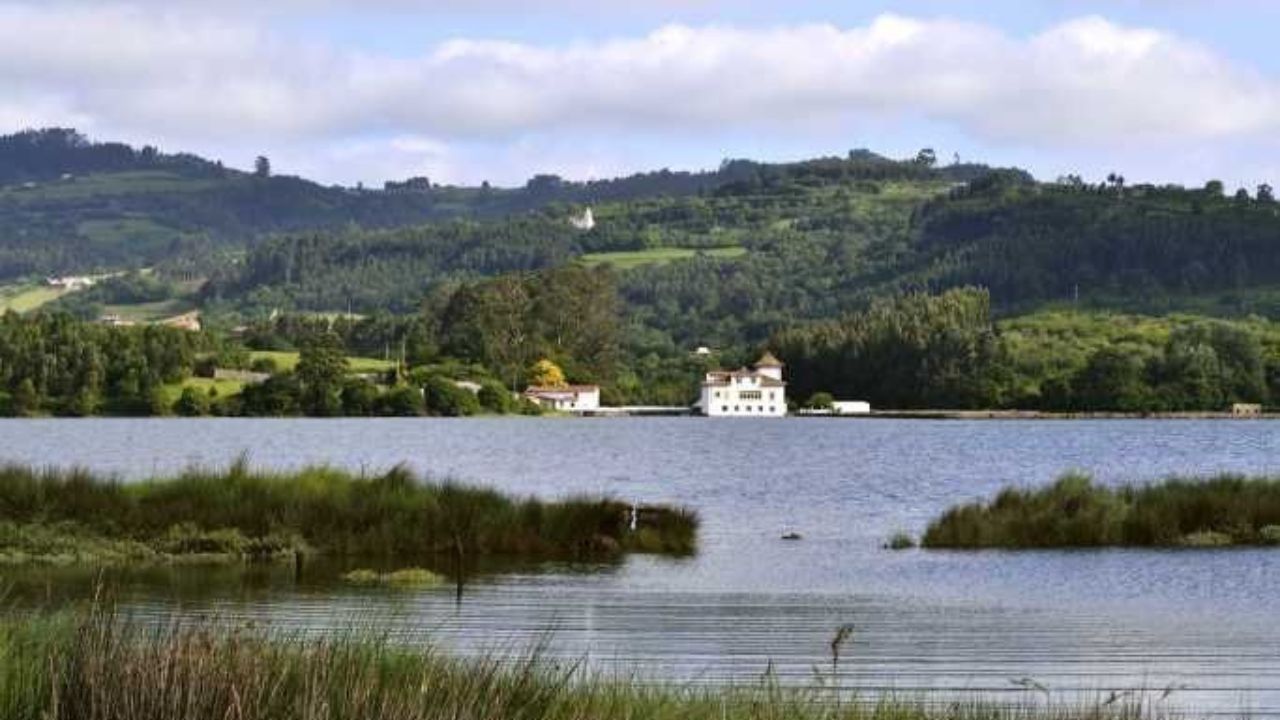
[(404, 578), (900, 541), (1075, 512), (97, 666), (241, 513)]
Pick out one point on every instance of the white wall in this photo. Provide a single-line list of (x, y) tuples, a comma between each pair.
[(728, 400), (850, 407)]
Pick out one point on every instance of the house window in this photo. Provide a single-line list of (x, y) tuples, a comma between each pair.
[(736, 408), (770, 394), (724, 408), (772, 409), (750, 395)]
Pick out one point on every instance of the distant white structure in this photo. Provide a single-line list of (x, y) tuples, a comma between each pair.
[(702, 351), (759, 392), (567, 398), (850, 407), (72, 282), (585, 221)]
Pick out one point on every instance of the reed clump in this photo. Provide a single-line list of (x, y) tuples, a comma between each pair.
[(403, 578), (96, 666), (245, 514), (1228, 510)]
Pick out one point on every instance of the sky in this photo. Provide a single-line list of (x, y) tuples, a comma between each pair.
[(464, 91)]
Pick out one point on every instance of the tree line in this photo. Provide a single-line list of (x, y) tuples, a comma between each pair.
[(945, 351)]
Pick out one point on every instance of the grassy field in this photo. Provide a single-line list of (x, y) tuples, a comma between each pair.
[(25, 297), (93, 665), (56, 516), (136, 231), (657, 256), (122, 183), (1074, 512), (289, 360), (225, 388)]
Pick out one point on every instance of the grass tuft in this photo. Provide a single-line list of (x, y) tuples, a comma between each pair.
[(1074, 512), (900, 541), (97, 666), (405, 578)]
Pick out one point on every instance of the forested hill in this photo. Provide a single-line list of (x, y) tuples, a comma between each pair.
[(724, 257), (1109, 244), (68, 204), (817, 241)]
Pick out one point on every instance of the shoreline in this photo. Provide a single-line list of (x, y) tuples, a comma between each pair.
[(1037, 415)]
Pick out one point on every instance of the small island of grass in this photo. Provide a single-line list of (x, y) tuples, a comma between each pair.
[(404, 578), (1075, 512), (73, 516)]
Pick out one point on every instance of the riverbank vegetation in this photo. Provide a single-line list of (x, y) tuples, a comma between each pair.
[(95, 666), (1076, 512), (947, 351), (73, 516)]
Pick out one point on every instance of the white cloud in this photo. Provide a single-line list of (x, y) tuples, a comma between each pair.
[(197, 78)]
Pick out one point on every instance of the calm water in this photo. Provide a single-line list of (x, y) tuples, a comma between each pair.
[(924, 621)]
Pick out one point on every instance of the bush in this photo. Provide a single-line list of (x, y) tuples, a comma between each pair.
[(205, 367), (821, 401), (192, 403), (444, 398), (400, 401), (495, 397), (900, 541), (265, 365), (359, 397)]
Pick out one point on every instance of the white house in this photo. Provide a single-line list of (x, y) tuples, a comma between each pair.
[(585, 221), (759, 392), (568, 398)]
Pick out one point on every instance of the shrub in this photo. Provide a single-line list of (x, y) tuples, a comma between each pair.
[(900, 541), (495, 397), (192, 403), (444, 398), (821, 401), (359, 397), (264, 365), (400, 401)]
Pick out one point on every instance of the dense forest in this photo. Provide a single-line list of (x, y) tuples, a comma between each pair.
[(945, 351)]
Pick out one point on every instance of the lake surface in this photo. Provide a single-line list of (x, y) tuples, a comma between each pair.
[(1206, 622)]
